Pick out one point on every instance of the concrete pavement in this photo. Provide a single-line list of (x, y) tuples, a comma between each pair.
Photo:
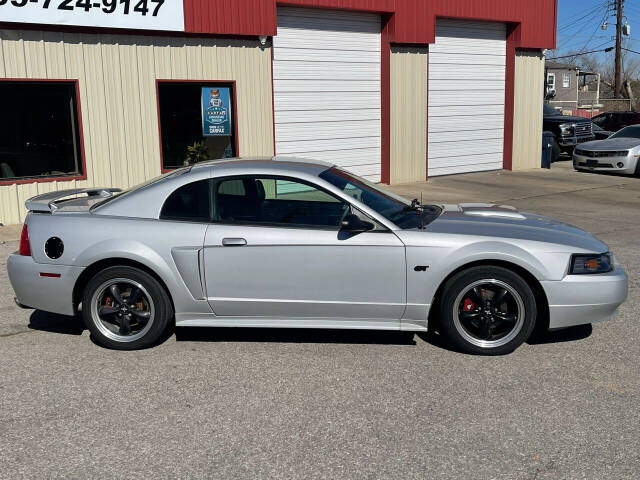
[(327, 404)]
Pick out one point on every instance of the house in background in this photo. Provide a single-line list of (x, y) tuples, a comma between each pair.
[(576, 92)]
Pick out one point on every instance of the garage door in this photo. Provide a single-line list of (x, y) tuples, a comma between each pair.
[(466, 97), (326, 86)]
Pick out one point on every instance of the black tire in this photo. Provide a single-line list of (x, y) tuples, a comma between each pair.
[(637, 172), (555, 150), (157, 305), (521, 299)]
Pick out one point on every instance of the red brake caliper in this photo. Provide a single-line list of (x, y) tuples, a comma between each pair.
[(468, 305)]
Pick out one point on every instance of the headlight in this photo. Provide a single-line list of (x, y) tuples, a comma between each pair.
[(566, 129), (591, 263)]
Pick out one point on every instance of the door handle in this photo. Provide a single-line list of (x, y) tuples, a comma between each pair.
[(233, 242)]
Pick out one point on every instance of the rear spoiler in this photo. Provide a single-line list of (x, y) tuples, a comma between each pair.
[(47, 201)]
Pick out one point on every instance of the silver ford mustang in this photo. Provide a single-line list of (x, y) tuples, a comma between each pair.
[(291, 243)]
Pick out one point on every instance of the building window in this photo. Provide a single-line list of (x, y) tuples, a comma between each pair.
[(197, 122), (39, 130), (566, 80), (551, 81)]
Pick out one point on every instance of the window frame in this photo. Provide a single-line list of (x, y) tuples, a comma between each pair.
[(234, 89), (337, 228), (567, 77), (54, 178), (551, 75)]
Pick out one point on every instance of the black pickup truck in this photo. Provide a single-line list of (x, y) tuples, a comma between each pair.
[(568, 131)]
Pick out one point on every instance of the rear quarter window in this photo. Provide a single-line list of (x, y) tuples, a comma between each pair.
[(190, 202)]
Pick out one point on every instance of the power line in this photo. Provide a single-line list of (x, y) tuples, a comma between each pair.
[(590, 13), (608, 49)]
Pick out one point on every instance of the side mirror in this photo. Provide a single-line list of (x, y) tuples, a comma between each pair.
[(353, 223)]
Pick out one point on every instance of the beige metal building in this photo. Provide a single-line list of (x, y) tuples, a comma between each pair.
[(100, 105)]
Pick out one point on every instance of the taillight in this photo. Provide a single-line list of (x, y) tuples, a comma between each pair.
[(25, 247)]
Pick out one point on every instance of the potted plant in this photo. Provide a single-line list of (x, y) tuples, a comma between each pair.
[(196, 153)]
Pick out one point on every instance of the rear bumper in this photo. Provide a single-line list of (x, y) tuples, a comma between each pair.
[(49, 293), (581, 299)]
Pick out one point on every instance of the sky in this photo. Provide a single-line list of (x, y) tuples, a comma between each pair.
[(579, 23)]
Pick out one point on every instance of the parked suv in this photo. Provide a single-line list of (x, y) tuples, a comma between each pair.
[(614, 121), (568, 131)]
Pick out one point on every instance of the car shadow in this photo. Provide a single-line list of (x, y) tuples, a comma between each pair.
[(293, 335), (68, 325), (54, 323), (570, 334)]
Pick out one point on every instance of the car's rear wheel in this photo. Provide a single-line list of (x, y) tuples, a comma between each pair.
[(637, 172), (126, 308), (487, 310)]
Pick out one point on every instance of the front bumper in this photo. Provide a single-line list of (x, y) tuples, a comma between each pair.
[(49, 293), (625, 164), (581, 299), (572, 141)]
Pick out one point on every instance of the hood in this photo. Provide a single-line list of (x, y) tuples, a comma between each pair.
[(566, 119), (489, 220), (620, 143)]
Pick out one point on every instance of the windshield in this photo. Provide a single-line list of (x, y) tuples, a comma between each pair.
[(549, 110), (396, 209), (159, 178), (628, 132)]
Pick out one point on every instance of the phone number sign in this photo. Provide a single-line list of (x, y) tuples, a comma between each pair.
[(138, 14)]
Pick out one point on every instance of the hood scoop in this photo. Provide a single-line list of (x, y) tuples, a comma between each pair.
[(490, 210)]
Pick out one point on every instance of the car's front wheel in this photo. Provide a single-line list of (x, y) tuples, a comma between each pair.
[(126, 308), (487, 310)]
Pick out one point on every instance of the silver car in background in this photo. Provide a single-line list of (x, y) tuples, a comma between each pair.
[(619, 153), (291, 243)]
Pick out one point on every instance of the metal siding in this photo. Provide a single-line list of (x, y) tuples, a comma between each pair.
[(232, 17), (413, 20), (408, 114), (117, 96), (475, 140), (328, 106), (527, 118)]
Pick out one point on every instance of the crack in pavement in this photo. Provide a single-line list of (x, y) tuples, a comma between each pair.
[(563, 192)]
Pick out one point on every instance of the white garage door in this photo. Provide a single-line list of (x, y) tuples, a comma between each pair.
[(326, 86), (467, 67)]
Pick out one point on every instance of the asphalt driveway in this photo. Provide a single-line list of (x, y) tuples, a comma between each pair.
[(327, 404)]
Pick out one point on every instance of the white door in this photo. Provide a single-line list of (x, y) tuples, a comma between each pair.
[(467, 65), (326, 88)]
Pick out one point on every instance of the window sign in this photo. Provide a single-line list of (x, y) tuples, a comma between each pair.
[(216, 111), (138, 14)]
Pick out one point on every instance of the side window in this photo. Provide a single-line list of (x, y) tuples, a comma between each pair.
[(190, 203), (276, 201)]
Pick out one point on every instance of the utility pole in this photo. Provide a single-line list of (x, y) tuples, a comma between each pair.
[(618, 73)]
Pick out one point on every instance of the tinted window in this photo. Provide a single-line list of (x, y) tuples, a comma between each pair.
[(627, 132), (190, 202), (276, 201)]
